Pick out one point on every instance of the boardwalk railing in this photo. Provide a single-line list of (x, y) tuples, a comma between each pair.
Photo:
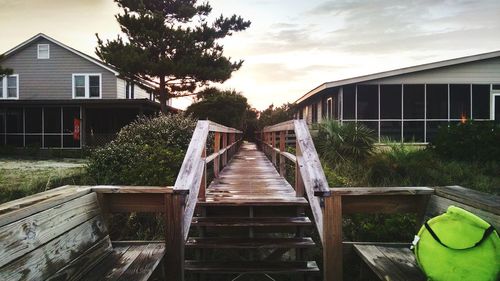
[(310, 181), (192, 181)]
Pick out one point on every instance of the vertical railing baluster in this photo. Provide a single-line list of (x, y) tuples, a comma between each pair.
[(282, 149), (273, 143), (224, 146), (216, 150)]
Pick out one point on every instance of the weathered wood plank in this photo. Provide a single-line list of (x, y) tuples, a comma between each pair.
[(284, 126), (214, 127), (360, 191), (132, 189), (46, 260), (113, 265), (473, 198), (134, 202), (80, 267), (25, 235), (380, 204), (21, 208), (145, 263), (332, 239), (438, 205), (175, 236)]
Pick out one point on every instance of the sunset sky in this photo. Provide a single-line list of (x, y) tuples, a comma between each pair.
[(292, 45)]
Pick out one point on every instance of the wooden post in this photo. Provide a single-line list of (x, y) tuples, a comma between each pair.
[(282, 149), (232, 140), (203, 185), (332, 239), (299, 183), (216, 150), (273, 144), (174, 236), (224, 145)]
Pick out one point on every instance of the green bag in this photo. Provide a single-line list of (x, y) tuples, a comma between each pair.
[(458, 246)]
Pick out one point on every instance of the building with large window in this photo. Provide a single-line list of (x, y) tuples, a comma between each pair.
[(410, 104), (59, 97)]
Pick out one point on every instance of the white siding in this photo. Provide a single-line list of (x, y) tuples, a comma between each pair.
[(140, 93), (121, 90), (486, 72)]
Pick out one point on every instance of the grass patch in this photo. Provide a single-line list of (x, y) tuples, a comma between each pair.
[(20, 178)]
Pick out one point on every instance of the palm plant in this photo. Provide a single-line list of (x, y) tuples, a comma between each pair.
[(344, 141)]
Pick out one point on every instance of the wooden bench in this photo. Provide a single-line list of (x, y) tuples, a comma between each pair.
[(61, 235), (395, 261)]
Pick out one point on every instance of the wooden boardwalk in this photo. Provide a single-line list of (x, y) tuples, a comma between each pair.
[(250, 178)]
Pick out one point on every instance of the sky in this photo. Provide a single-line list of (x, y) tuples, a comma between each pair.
[(292, 46)]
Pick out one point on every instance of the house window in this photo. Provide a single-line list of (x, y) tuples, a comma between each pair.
[(86, 86), (43, 51), (9, 87), (495, 87)]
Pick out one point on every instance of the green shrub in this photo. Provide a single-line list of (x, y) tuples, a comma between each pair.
[(469, 141), (149, 151), (344, 142)]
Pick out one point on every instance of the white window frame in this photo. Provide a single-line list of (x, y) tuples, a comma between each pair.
[(87, 85), (38, 52), (329, 108), (5, 87)]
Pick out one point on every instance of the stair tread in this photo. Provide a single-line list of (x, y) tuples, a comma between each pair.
[(251, 266), (249, 243), (253, 201), (257, 221)]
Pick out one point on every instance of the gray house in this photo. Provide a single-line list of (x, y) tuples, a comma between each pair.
[(410, 104), (59, 97)]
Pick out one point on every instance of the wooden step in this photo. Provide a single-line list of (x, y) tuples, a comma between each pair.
[(259, 221), (283, 267), (249, 243), (253, 201)]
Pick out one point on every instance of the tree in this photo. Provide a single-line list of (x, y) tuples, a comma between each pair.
[(4, 71), (274, 115), (171, 44), (228, 107)]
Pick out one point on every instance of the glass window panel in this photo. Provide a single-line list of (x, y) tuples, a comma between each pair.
[(43, 51), (2, 121), (367, 102), (349, 100), (414, 102), (497, 108), (52, 141), (495, 86), (69, 115), (433, 128), (33, 120), (14, 120), (390, 101), (15, 140), (70, 142), (459, 101), (2, 139), (33, 140), (52, 119), (481, 101), (94, 86), (372, 125), (79, 86), (1, 87), (413, 131), (390, 130), (437, 101), (12, 86)]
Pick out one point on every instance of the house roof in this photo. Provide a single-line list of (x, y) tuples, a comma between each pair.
[(398, 72), (76, 52)]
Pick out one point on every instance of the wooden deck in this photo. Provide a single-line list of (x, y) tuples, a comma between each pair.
[(250, 179)]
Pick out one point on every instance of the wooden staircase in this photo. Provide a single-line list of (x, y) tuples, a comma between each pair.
[(250, 226)]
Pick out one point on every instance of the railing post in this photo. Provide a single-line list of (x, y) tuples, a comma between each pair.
[(174, 236), (232, 140), (224, 145), (203, 185), (299, 183), (282, 149), (332, 238), (273, 143), (216, 150)]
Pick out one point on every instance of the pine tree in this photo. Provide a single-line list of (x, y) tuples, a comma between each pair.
[(4, 71), (171, 44)]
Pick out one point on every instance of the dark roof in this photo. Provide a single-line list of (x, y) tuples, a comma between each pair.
[(398, 72)]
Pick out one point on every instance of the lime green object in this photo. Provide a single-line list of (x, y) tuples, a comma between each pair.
[(458, 246)]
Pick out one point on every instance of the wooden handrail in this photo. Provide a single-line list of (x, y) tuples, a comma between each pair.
[(192, 175), (309, 176)]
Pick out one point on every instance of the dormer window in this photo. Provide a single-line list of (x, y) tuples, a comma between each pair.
[(43, 51)]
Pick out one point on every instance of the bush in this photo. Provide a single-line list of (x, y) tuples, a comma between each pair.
[(348, 141), (149, 151), (470, 141)]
